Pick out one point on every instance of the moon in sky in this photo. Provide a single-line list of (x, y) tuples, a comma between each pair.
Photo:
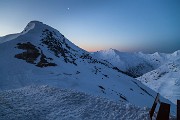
[(68, 8)]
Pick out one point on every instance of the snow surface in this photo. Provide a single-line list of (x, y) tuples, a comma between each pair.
[(47, 103), (59, 63)]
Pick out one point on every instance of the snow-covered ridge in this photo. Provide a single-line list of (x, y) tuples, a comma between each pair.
[(176, 53), (29, 26), (10, 37), (43, 102)]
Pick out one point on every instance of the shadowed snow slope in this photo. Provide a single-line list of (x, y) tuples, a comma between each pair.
[(41, 55), (46, 103)]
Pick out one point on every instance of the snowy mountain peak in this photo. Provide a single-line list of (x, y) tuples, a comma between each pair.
[(39, 27), (35, 22), (176, 53), (109, 52), (29, 26), (156, 53), (112, 49)]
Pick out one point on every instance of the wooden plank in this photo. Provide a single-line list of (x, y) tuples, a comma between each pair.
[(163, 113), (178, 109), (151, 112)]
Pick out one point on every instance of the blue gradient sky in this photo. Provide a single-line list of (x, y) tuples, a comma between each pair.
[(126, 25)]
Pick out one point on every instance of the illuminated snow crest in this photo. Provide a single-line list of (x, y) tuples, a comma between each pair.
[(29, 26)]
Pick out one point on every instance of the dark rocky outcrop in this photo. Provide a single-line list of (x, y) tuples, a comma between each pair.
[(31, 54)]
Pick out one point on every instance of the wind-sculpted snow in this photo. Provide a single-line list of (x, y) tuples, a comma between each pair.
[(46, 103)]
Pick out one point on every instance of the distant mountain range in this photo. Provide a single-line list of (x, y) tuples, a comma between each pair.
[(159, 71), (41, 55)]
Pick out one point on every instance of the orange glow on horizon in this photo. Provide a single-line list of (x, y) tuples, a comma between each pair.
[(94, 49)]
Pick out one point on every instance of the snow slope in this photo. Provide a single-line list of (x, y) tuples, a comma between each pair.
[(47, 103), (41, 55), (8, 37), (165, 80)]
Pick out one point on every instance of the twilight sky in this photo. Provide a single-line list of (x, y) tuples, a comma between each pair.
[(126, 25)]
